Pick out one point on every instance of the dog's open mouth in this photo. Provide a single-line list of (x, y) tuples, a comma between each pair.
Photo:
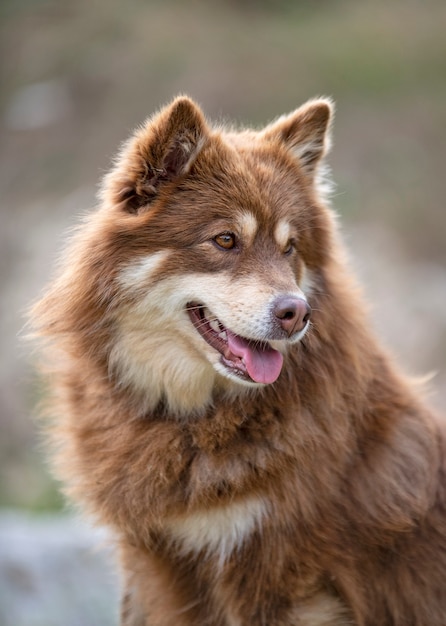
[(254, 361)]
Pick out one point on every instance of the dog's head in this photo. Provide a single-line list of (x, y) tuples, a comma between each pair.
[(208, 240)]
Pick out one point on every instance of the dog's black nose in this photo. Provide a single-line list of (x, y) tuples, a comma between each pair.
[(292, 313)]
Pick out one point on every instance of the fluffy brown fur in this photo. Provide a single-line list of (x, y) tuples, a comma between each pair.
[(315, 500)]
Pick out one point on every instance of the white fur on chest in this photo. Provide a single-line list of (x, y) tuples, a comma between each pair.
[(218, 531)]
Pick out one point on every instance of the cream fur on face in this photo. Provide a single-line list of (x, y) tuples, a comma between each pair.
[(158, 352)]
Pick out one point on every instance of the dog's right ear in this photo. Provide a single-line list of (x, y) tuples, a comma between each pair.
[(159, 152)]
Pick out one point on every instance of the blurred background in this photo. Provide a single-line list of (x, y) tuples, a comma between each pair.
[(77, 77)]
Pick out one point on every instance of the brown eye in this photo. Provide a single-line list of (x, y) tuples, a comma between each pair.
[(225, 241), (289, 247)]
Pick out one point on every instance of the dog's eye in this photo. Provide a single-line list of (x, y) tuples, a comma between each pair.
[(289, 247), (225, 241)]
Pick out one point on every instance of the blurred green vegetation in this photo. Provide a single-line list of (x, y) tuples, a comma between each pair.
[(78, 76)]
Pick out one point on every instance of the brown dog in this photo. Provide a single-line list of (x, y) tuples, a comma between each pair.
[(220, 402)]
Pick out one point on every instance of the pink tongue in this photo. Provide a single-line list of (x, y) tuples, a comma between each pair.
[(263, 363)]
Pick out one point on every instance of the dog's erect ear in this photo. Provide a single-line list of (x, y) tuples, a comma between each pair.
[(305, 132), (162, 150)]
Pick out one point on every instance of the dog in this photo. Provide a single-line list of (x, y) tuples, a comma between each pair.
[(218, 399)]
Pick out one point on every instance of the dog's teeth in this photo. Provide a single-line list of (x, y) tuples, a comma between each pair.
[(214, 325), (223, 336)]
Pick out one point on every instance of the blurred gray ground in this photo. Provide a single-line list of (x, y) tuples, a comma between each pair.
[(55, 571)]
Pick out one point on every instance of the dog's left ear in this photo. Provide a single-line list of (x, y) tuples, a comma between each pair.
[(305, 132), (161, 151)]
